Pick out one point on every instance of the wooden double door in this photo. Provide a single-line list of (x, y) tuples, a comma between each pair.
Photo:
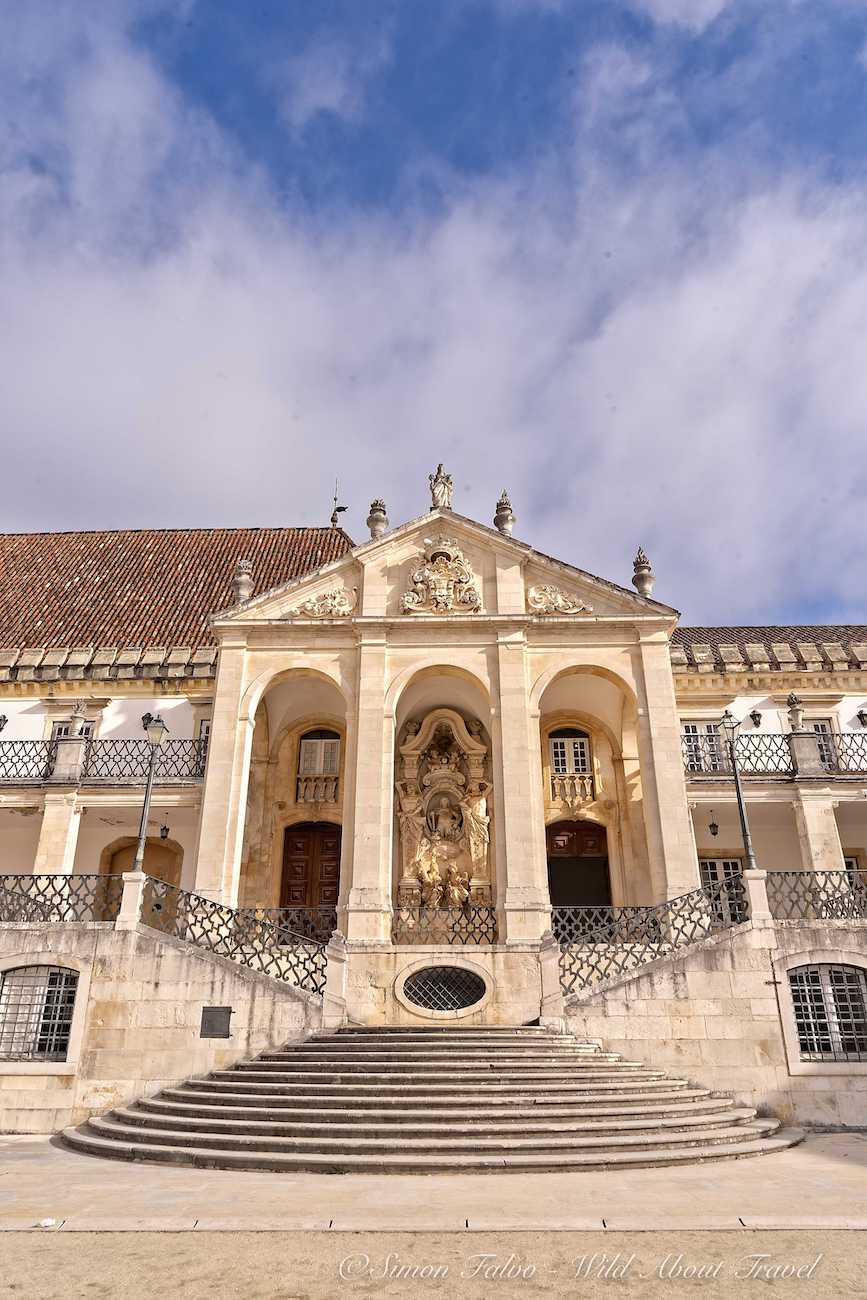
[(578, 865), (311, 865)]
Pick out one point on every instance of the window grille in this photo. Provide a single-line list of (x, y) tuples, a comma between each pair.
[(36, 1004), (444, 988), (830, 1005)]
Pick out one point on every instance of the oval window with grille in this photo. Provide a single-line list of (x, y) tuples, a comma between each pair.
[(444, 988)]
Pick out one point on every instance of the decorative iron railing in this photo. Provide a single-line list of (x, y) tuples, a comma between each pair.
[(27, 760), (761, 754), (573, 924), (252, 940), (850, 751), (572, 789), (317, 923), (817, 895), (28, 898), (122, 761), (317, 789), (634, 936), (473, 924)]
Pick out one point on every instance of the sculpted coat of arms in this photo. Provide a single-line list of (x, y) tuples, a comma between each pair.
[(443, 583)]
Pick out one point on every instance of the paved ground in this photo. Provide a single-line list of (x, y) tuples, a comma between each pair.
[(821, 1183), (142, 1231)]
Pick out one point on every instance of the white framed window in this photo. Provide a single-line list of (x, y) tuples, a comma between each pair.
[(569, 752), (64, 731), (702, 746), (205, 730), (319, 755), (830, 1006), (36, 1008), (716, 871), (824, 740)]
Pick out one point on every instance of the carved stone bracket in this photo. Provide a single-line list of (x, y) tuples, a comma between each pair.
[(546, 599)]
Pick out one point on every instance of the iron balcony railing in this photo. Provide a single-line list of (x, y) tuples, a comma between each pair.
[(317, 923), (126, 761), (106, 762), (27, 761), (471, 924), (817, 895), (608, 942), (29, 898), (762, 754), (252, 940)]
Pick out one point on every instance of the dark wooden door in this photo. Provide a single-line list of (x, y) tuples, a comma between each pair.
[(311, 866), (578, 865)]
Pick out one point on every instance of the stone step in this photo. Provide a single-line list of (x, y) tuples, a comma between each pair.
[(317, 1101), (359, 1096), (441, 1062), (519, 1127), (85, 1139), (388, 1087), (110, 1126), (176, 1101), (270, 1071)]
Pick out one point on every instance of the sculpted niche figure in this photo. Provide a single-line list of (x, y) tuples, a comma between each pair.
[(477, 825), (412, 825)]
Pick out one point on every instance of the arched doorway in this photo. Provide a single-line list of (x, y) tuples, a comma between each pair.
[(578, 865), (311, 865), (162, 859)]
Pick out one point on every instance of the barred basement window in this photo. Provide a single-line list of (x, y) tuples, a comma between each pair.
[(36, 1004), (830, 1012)]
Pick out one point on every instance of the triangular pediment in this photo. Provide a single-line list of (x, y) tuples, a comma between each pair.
[(444, 564)]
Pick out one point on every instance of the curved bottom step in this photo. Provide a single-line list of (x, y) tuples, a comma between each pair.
[(543, 1162)]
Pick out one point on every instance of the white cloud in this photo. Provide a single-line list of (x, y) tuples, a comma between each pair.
[(669, 361), (329, 76), (693, 14)]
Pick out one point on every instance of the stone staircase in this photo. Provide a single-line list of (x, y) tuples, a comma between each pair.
[(432, 1101)]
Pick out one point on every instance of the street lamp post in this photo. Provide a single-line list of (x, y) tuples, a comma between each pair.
[(731, 726), (156, 733)]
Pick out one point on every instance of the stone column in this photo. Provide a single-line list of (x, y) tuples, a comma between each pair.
[(224, 797), (526, 903), (818, 835), (369, 806), (756, 885), (551, 1011), (673, 860), (58, 836), (334, 999), (130, 913)]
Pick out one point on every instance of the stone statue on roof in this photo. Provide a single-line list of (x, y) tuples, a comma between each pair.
[(441, 489)]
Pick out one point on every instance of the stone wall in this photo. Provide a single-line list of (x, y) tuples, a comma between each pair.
[(137, 1020), (721, 1016)]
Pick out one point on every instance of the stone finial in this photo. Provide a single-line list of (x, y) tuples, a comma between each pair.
[(377, 520), (643, 576), (242, 581), (504, 520), (77, 717), (441, 488), (796, 712)]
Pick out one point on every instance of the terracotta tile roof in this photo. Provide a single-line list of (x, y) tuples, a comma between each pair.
[(142, 587), (818, 635)]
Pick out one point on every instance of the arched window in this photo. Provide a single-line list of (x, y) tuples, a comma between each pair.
[(569, 751), (36, 1005), (318, 767), (830, 1012)]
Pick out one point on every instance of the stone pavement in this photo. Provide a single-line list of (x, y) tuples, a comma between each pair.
[(821, 1184)]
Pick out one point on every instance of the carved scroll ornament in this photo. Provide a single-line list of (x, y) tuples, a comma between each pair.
[(546, 599), (443, 583), (338, 603)]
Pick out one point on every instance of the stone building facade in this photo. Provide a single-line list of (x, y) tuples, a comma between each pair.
[(439, 750)]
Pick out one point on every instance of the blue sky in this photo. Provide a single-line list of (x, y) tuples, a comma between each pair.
[(611, 256)]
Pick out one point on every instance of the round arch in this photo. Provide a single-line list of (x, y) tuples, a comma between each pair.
[(271, 677), (164, 858), (551, 675), (433, 667)]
